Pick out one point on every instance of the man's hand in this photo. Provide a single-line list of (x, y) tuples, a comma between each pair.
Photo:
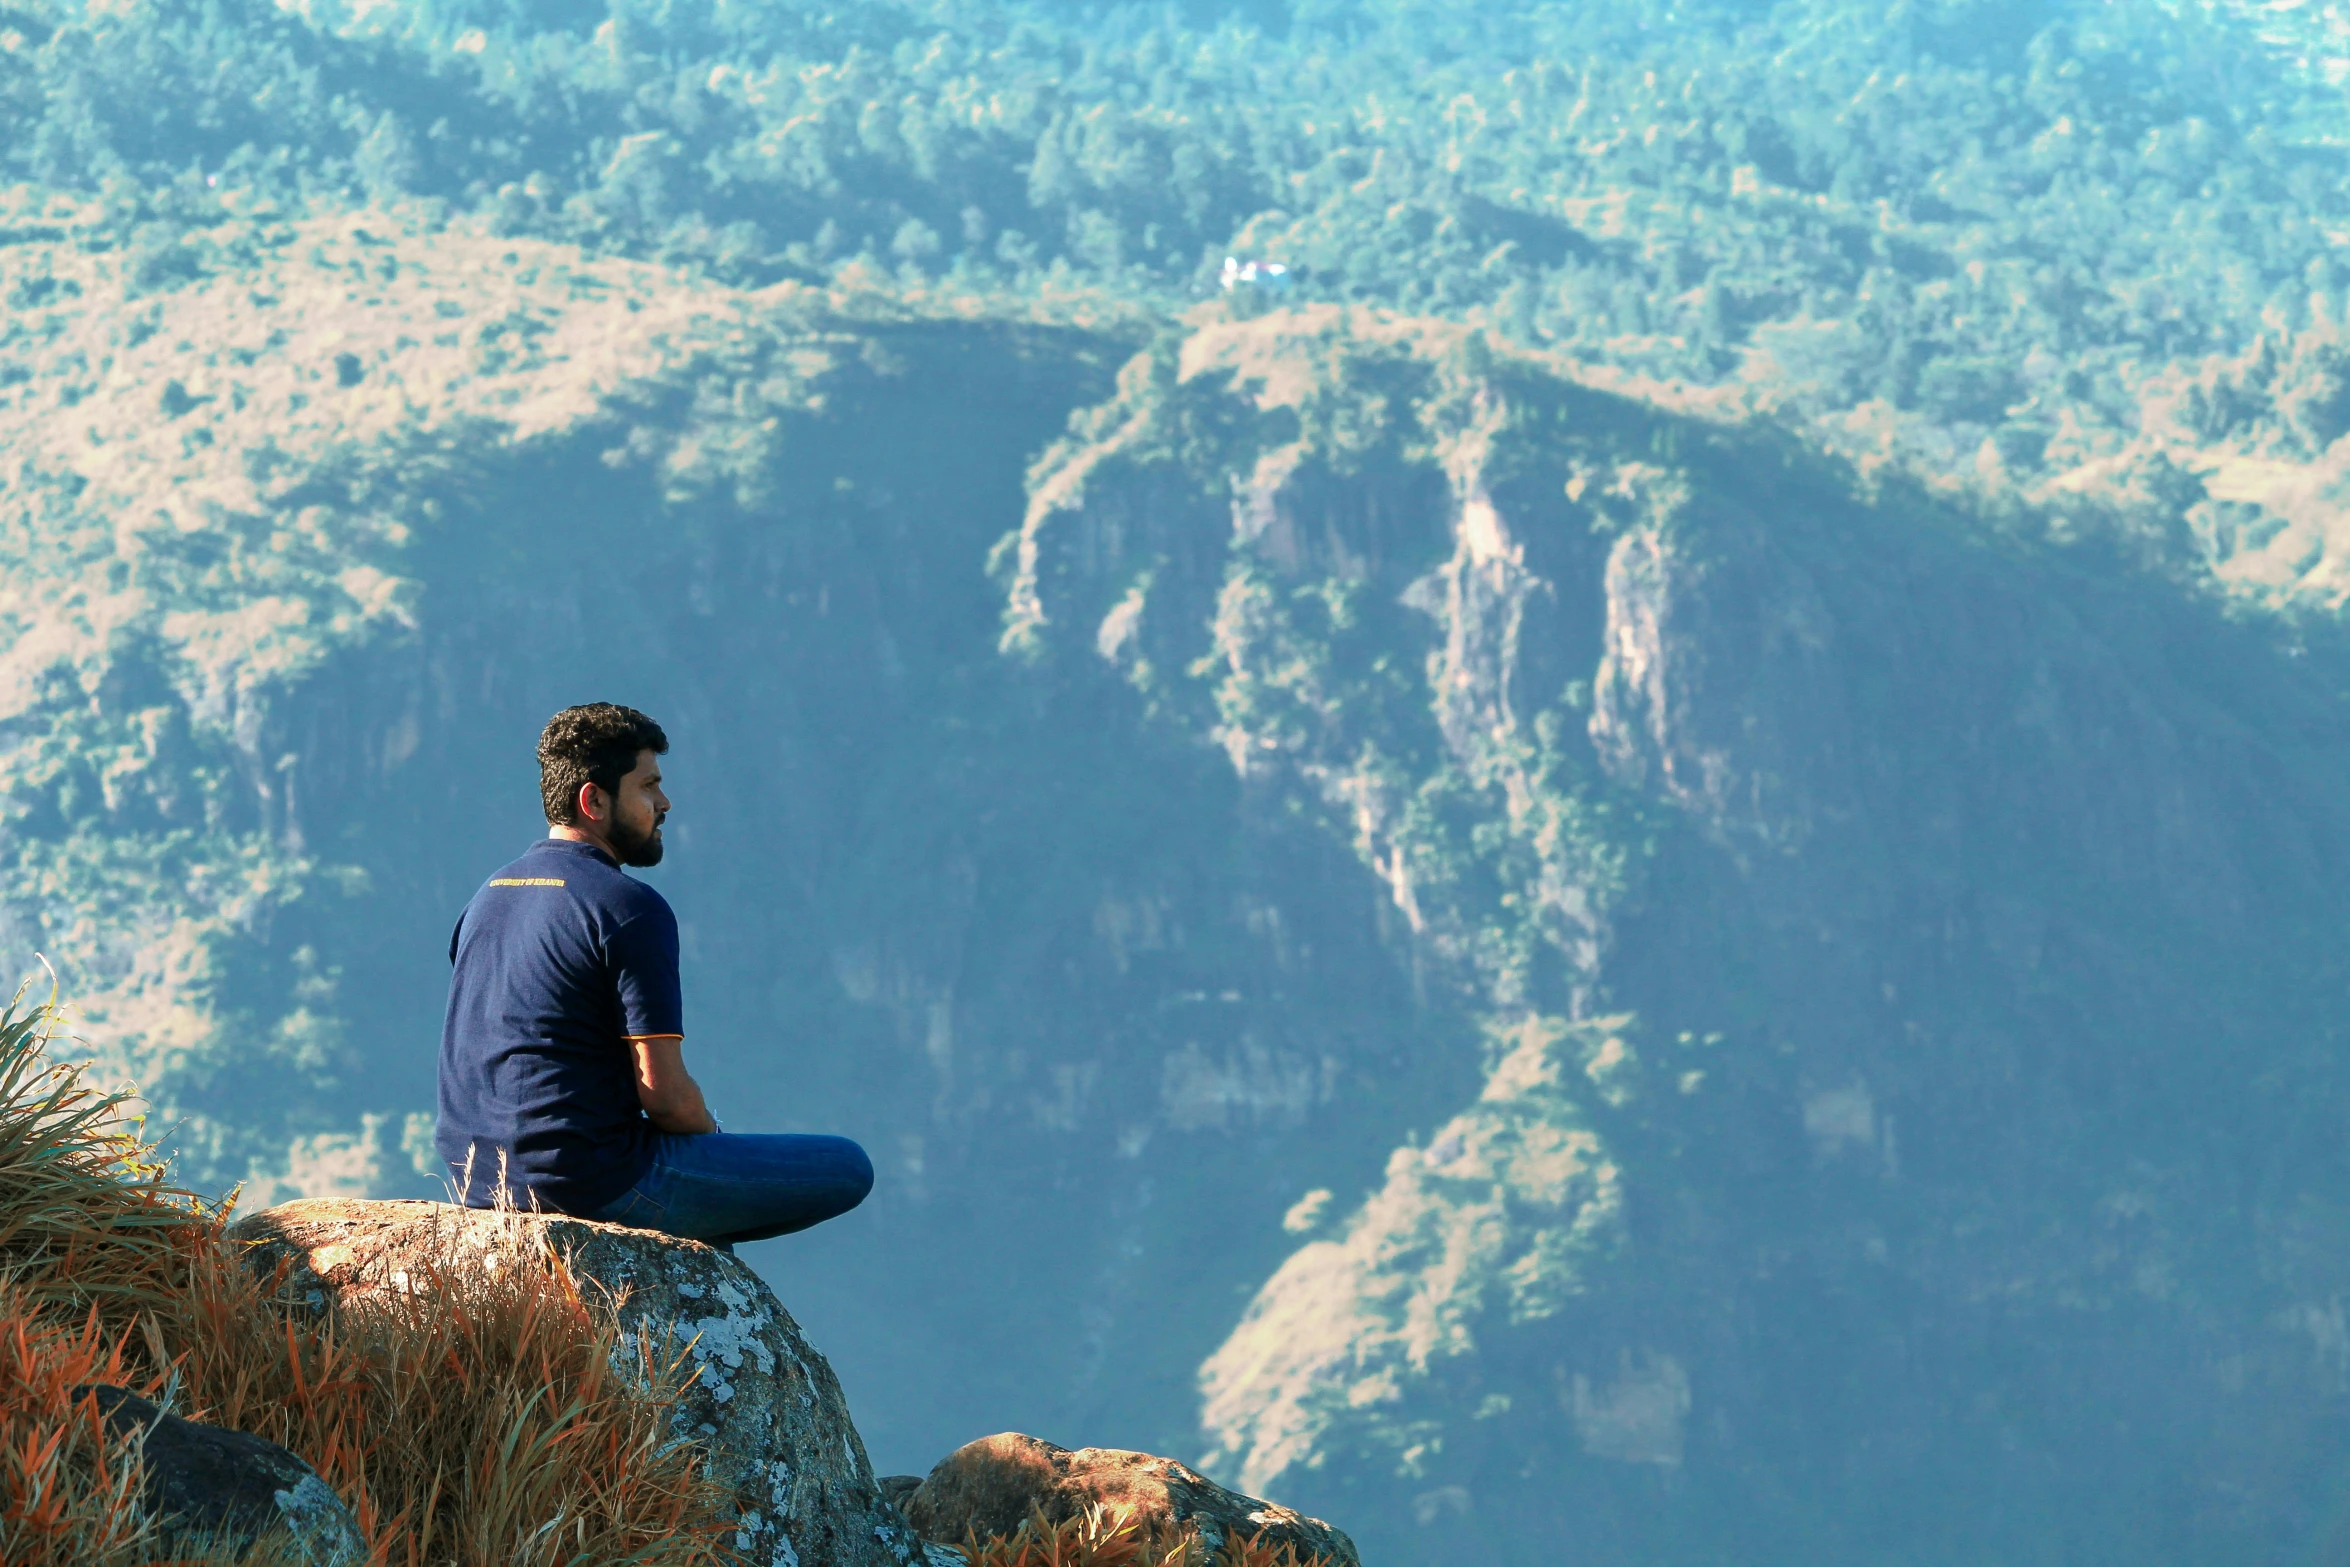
[(671, 1097)]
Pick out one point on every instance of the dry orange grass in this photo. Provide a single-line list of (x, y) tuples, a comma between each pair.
[(66, 1487), (481, 1420), (1108, 1537), (89, 1236)]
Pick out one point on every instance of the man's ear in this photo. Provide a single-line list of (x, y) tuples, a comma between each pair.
[(593, 803)]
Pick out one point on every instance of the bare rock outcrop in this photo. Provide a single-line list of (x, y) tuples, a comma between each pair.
[(207, 1484), (765, 1405), (995, 1485)]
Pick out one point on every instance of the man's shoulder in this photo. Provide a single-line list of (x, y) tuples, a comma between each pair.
[(634, 899)]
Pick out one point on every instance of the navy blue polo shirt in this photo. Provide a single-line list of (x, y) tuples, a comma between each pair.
[(556, 962)]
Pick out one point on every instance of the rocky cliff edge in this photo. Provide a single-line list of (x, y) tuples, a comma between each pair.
[(764, 1403)]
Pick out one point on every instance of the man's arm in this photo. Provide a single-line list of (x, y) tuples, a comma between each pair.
[(671, 1097)]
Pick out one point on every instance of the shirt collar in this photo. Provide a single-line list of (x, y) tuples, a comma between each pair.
[(573, 846)]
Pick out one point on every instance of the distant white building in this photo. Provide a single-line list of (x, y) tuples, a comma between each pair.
[(1271, 276)]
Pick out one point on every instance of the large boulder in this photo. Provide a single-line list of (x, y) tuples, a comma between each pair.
[(206, 1485), (997, 1484), (765, 1405)]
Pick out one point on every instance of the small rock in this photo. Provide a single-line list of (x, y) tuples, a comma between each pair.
[(992, 1487), (766, 1405), (899, 1489), (228, 1486)]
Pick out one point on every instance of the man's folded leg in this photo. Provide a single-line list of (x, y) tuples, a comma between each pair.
[(731, 1187)]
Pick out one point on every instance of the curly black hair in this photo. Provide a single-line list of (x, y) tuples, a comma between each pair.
[(596, 743)]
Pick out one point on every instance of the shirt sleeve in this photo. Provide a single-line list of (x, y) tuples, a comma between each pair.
[(644, 961)]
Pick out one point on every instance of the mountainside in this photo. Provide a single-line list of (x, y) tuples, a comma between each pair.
[(1905, 958), (1648, 872)]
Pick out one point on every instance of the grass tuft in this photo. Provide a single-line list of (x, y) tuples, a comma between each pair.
[(87, 1215)]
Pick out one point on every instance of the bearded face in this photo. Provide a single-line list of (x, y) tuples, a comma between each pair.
[(633, 844), (633, 830)]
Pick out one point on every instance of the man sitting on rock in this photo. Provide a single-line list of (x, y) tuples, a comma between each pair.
[(563, 1085)]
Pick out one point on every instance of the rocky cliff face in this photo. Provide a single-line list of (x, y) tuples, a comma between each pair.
[(1903, 953), (1551, 968)]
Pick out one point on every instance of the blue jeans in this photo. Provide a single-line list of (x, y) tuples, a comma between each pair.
[(728, 1187)]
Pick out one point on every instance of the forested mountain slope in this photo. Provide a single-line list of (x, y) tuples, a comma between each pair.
[(1969, 230), (1652, 873)]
